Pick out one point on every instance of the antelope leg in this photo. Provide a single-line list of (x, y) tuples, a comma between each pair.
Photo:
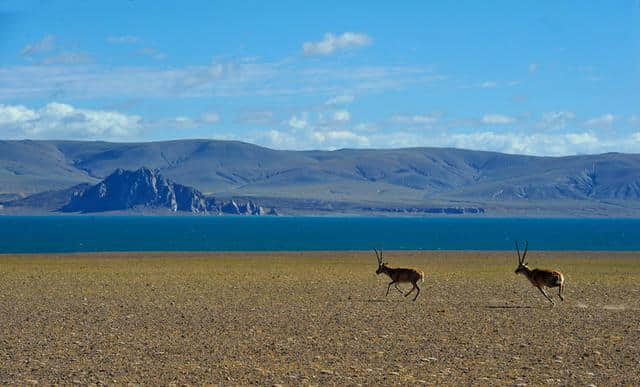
[(546, 295), (398, 289), (418, 293), (412, 289), (389, 287)]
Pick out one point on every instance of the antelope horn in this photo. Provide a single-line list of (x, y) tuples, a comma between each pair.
[(518, 251), (526, 246), (378, 257)]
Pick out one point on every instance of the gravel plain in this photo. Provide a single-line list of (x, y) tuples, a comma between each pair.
[(305, 318)]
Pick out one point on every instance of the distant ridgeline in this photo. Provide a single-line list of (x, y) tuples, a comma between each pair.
[(39, 177), (147, 189)]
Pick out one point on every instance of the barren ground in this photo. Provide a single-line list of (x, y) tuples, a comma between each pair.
[(316, 318)]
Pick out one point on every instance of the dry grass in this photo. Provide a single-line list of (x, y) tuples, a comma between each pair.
[(315, 318)]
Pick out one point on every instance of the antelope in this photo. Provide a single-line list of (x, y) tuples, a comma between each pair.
[(540, 278), (399, 275)]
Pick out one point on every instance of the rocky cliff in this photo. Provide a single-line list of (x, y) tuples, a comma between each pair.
[(147, 189)]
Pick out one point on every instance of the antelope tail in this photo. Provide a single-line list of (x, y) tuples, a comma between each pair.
[(422, 276)]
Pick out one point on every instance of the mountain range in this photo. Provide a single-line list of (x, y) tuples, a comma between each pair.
[(360, 181)]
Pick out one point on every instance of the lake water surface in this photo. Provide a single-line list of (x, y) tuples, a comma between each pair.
[(22, 234)]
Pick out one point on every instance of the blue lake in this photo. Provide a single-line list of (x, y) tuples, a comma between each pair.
[(122, 233)]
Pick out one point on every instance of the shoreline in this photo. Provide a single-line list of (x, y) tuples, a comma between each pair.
[(634, 253), (7, 212)]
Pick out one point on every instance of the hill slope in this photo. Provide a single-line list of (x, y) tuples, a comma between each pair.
[(353, 178)]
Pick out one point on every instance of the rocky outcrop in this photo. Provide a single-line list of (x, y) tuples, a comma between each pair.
[(250, 208), (145, 188), (229, 208), (123, 190), (233, 208)]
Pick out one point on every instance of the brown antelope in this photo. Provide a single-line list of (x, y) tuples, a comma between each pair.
[(540, 278), (399, 275)]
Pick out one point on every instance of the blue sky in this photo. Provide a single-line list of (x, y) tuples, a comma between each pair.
[(544, 78)]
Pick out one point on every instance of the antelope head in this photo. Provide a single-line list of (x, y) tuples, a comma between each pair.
[(523, 267), (382, 266)]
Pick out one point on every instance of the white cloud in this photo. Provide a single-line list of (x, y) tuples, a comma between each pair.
[(366, 127), (533, 67), (604, 121), (340, 100), (342, 116), (256, 117), (416, 119), (62, 121), (515, 142), (16, 115), (298, 123), (310, 138), (210, 118), (492, 84), (488, 85), (555, 120), (509, 143), (497, 119), (346, 137), (232, 79), (331, 43), (279, 140), (215, 70), (184, 122), (634, 120), (334, 139), (582, 138), (152, 53), (201, 76), (46, 44), (180, 122), (123, 39), (68, 58)]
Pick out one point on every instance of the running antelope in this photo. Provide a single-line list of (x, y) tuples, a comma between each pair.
[(399, 275), (540, 278)]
